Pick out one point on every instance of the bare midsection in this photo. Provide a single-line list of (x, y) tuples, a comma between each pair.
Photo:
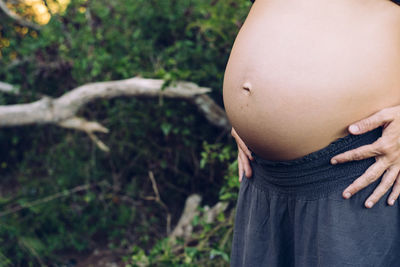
[(299, 75)]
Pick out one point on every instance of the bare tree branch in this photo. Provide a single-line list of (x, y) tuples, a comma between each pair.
[(8, 88), (62, 111), (212, 111), (157, 198), (17, 18), (49, 110), (184, 228)]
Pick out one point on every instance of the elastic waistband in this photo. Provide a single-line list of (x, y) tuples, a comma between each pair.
[(313, 174)]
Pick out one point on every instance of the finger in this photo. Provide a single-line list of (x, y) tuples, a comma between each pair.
[(240, 168), (246, 166), (245, 149), (374, 121), (370, 175), (395, 191), (241, 144), (386, 183), (362, 152)]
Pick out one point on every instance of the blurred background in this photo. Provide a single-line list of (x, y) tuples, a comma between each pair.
[(134, 178)]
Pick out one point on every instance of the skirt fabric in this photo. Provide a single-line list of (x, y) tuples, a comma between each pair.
[(292, 214)]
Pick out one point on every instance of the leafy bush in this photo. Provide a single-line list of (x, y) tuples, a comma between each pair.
[(58, 191)]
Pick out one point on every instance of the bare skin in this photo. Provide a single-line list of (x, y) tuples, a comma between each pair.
[(316, 67), (386, 151)]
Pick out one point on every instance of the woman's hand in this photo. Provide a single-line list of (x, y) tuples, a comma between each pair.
[(244, 155), (386, 151)]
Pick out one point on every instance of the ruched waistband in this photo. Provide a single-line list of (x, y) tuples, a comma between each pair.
[(313, 174)]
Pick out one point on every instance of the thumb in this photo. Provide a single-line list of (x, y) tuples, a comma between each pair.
[(374, 121)]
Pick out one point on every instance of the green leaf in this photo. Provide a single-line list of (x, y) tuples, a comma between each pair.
[(214, 253), (166, 128)]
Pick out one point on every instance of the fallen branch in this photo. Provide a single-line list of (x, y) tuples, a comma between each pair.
[(8, 88), (210, 214), (184, 227), (212, 111), (89, 127), (62, 111)]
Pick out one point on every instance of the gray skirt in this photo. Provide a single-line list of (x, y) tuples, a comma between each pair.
[(292, 214)]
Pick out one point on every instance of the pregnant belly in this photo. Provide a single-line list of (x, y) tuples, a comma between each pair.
[(301, 71)]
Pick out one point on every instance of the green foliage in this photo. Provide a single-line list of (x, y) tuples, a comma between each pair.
[(218, 153), (61, 192), (210, 244)]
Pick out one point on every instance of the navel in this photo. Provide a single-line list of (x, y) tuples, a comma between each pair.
[(246, 88)]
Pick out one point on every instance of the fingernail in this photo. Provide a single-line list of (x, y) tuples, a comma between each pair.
[(347, 195), (391, 202), (354, 128), (369, 204), (251, 155), (334, 161)]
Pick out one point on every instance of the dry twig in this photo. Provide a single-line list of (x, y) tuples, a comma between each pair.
[(49, 198), (157, 199)]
